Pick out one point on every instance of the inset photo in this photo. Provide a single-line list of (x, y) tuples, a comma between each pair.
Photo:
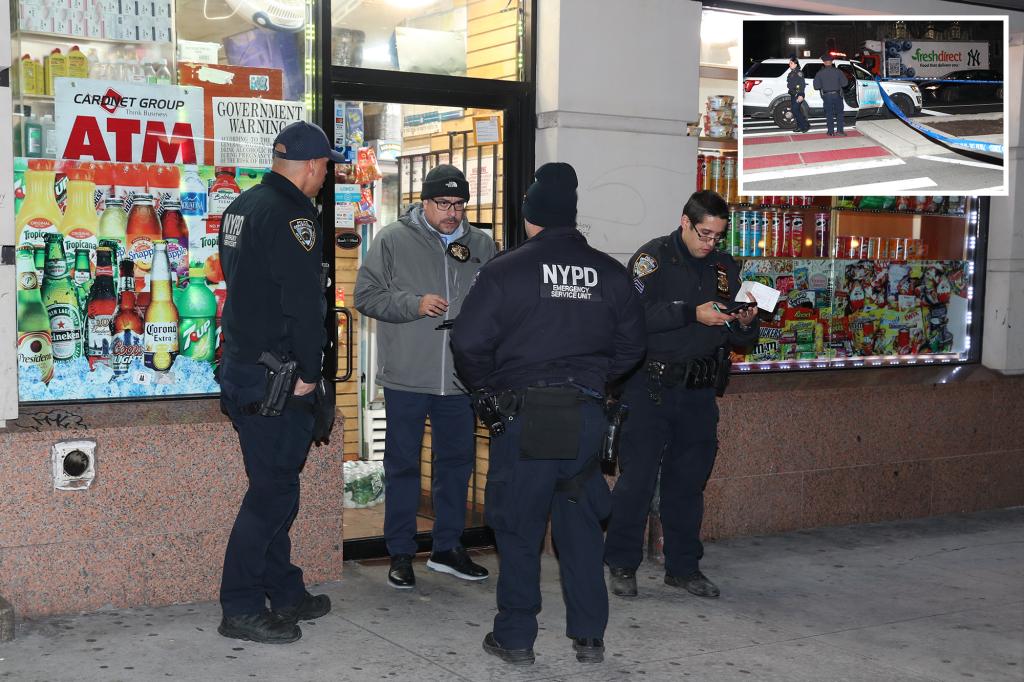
[(882, 106)]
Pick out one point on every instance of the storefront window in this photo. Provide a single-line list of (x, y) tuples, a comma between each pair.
[(132, 132), (480, 39)]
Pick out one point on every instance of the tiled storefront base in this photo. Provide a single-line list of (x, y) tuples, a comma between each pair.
[(152, 528)]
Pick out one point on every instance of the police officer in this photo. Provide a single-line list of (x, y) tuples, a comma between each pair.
[(686, 286), (270, 249), (797, 85), (830, 81), (543, 329)]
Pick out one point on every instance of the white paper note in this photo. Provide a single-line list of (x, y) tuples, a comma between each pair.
[(765, 296)]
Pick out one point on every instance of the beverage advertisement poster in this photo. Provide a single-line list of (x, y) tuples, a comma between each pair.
[(115, 121), (244, 128)]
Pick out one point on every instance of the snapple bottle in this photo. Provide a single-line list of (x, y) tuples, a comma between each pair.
[(160, 341), (142, 231), (175, 233)]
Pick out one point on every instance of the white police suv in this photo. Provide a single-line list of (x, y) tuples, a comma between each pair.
[(765, 94)]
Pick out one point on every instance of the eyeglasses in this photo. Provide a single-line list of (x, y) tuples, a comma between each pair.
[(706, 236), (457, 206)]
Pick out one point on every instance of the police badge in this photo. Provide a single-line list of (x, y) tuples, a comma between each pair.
[(459, 252), (723, 281), (304, 232), (644, 265)]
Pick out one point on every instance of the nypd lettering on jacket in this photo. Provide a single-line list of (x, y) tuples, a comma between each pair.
[(573, 282), (232, 229)]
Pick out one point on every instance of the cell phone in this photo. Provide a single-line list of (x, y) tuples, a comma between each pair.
[(736, 307)]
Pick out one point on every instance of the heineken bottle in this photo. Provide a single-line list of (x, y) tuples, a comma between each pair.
[(34, 344), (82, 277), (61, 302), (39, 252)]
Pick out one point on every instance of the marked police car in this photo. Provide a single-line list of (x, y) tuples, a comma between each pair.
[(765, 94)]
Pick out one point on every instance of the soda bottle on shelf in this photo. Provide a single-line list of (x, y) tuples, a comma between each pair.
[(100, 309), (197, 311), (223, 191), (160, 341), (142, 231), (80, 222), (175, 233), (35, 347), (127, 349), (39, 213), (163, 180), (114, 225), (61, 303)]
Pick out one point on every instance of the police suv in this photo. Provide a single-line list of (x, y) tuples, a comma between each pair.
[(765, 94)]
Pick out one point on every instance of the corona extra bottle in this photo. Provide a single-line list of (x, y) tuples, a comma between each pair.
[(161, 331)]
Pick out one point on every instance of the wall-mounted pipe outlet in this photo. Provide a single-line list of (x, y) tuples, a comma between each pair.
[(74, 464)]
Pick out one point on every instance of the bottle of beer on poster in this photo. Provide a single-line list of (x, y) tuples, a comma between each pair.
[(175, 233), (61, 302), (39, 254), (82, 277), (100, 311), (128, 326), (197, 308), (160, 340), (34, 343)]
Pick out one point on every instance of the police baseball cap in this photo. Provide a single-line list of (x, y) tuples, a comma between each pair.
[(301, 141)]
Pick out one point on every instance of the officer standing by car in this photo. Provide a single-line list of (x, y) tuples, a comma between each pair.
[(686, 286), (830, 81), (542, 331), (797, 85), (270, 248)]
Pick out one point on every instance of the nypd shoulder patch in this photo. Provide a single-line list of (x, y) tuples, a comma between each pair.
[(304, 232), (645, 264)]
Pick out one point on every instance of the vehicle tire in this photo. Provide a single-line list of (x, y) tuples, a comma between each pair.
[(782, 114), (905, 104)]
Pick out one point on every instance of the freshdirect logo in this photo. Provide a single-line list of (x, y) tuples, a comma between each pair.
[(940, 56)]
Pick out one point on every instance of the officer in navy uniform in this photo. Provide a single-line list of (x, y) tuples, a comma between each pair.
[(684, 285), (270, 249), (797, 87), (830, 82), (543, 329)]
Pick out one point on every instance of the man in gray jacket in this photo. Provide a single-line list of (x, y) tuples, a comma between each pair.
[(415, 276)]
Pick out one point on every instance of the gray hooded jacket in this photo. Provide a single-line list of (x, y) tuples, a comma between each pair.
[(405, 261)]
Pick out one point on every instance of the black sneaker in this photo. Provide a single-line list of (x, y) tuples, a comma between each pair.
[(622, 581), (512, 656), (309, 608), (456, 561), (695, 583), (400, 576), (588, 649), (263, 628)]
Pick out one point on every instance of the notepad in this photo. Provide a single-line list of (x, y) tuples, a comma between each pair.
[(765, 296)]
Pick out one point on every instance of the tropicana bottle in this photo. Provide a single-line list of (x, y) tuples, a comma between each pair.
[(35, 347), (161, 331), (80, 221), (61, 303), (39, 213)]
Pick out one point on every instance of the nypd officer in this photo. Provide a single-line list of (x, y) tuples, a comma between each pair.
[(686, 286), (543, 329), (830, 81), (797, 86), (270, 248)]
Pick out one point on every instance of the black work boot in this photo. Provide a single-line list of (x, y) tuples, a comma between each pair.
[(588, 649), (511, 656), (309, 608), (263, 627), (400, 576), (695, 583), (622, 581), (456, 561)]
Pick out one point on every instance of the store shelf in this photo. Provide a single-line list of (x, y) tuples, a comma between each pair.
[(38, 35), (722, 73), (879, 211), (33, 98), (717, 143)]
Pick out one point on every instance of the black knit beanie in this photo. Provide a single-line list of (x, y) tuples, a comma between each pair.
[(445, 181), (551, 199)]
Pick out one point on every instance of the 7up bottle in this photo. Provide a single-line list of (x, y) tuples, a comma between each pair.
[(61, 302), (34, 345), (160, 340), (197, 310)]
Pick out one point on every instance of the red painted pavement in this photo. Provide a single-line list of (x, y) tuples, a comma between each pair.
[(779, 160), (780, 139), (773, 161)]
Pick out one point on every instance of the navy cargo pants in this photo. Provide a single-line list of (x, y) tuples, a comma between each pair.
[(257, 562), (679, 436), (521, 494), (833, 102), (452, 449)]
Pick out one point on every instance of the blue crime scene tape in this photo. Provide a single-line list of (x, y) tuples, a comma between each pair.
[(923, 81), (976, 145)]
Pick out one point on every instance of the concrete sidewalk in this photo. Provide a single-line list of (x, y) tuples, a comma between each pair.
[(935, 599)]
